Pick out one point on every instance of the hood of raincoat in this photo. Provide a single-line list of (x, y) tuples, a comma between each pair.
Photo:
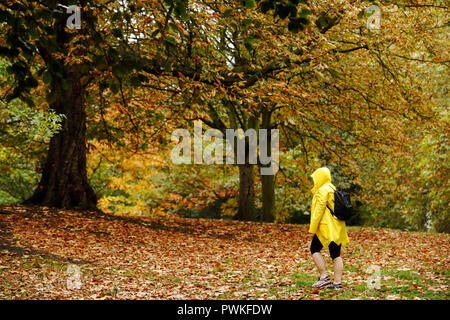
[(320, 177)]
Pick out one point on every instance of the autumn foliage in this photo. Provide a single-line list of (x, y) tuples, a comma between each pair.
[(86, 123), (181, 258)]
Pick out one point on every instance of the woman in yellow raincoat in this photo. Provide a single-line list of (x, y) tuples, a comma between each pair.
[(329, 231)]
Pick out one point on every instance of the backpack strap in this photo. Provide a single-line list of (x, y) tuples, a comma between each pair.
[(332, 212)]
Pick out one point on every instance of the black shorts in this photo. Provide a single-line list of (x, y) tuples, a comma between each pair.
[(316, 246)]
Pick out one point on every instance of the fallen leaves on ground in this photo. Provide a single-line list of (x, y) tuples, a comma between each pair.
[(181, 258)]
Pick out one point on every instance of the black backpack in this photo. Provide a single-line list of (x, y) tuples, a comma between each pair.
[(343, 209)]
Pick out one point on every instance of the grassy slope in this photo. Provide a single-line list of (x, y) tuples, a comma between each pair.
[(178, 258)]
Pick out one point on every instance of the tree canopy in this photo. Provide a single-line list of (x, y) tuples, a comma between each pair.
[(87, 114)]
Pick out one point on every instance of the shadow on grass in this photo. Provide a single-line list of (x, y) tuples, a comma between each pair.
[(5, 244)]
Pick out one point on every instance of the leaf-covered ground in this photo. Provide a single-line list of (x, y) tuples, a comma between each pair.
[(176, 258)]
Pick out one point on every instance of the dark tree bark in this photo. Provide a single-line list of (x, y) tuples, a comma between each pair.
[(64, 181), (268, 197), (267, 181), (246, 203)]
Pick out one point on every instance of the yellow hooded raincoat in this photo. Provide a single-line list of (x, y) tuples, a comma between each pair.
[(327, 227)]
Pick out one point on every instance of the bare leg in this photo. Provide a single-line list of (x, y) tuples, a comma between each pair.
[(320, 263), (338, 266)]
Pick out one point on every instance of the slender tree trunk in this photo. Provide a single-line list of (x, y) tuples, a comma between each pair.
[(64, 181), (267, 181), (268, 198), (246, 208)]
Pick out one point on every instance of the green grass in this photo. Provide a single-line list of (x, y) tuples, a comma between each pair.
[(409, 275), (302, 279)]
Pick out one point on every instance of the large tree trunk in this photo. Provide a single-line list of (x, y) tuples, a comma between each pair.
[(246, 207), (64, 181)]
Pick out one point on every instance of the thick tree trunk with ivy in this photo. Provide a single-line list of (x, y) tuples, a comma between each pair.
[(64, 181)]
